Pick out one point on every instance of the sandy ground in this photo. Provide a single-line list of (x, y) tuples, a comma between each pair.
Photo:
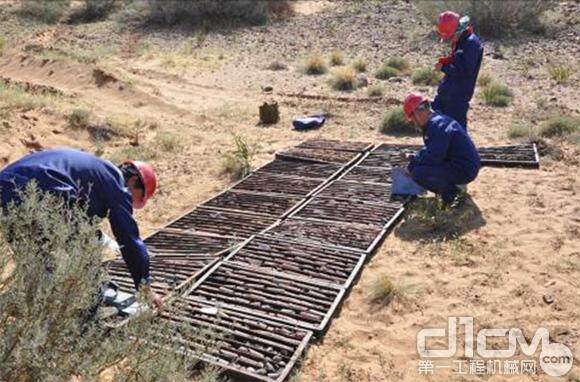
[(518, 238)]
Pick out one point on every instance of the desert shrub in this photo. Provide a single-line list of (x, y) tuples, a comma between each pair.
[(375, 91), (93, 10), (238, 162), (277, 65), (336, 58), (522, 130), (142, 153), (343, 79), (50, 274), (169, 142), (426, 76), (360, 65), (382, 291), (559, 73), (2, 45), (399, 63), (491, 17), (484, 79), (45, 11), (559, 126), (395, 122), (79, 118), (315, 65), (210, 12), (385, 72), (495, 94)]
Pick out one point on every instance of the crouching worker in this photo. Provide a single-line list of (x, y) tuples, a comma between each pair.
[(105, 190), (449, 157)]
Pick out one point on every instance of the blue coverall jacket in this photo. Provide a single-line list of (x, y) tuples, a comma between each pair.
[(458, 84), (448, 158), (79, 176)]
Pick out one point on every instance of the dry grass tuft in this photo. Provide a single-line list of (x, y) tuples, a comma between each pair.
[(343, 79), (336, 58), (375, 91), (360, 65), (559, 126), (238, 162), (426, 76), (395, 123), (495, 94), (315, 65)]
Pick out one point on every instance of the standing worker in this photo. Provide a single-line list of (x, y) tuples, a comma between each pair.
[(449, 157), (460, 68), (102, 187)]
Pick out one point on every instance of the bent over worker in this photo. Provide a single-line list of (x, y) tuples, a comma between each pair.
[(460, 68), (105, 190), (449, 157)]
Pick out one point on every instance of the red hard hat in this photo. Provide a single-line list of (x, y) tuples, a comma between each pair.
[(411, 102), (149, 180), (447, 24)]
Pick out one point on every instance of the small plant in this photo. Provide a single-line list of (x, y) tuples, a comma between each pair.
[(559, 126), (360, 65), (495, 94), (79, 119), (277, 65), (238, 163), (395, 122), (343, 79), (315, 65), (2, 45), (169, 142), (426, 76), (484, 79), (559, 73), (386, 72), (200, 37), (375, 91), (383, 291), (399, 63), (336, 58), (522, 130)]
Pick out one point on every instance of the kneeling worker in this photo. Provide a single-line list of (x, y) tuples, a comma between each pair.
[(105, 189), (449, 157)]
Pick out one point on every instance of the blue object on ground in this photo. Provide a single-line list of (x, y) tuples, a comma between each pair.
[(403, 184), (308, 123)]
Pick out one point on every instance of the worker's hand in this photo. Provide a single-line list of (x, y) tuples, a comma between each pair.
[(438, 67), (406, 156), (150, 295)]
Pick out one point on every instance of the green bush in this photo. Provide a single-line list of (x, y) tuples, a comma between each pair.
[(375, 91), (559, 73), (315, 65), (382, 291), (495, 94), (360, 65), (559, 126), (238, 162), (522, 130), (79, 119), (386, 72), (93, 10), (50, 274), (211, 12), (399, 63), (169, 142), (492, 17), (46, 11), (343, 79), (395, 122), (426, 76), (336, 58)]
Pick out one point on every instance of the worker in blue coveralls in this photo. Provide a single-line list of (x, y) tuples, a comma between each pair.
[(105, 190), (460, 68), (449, 157)]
